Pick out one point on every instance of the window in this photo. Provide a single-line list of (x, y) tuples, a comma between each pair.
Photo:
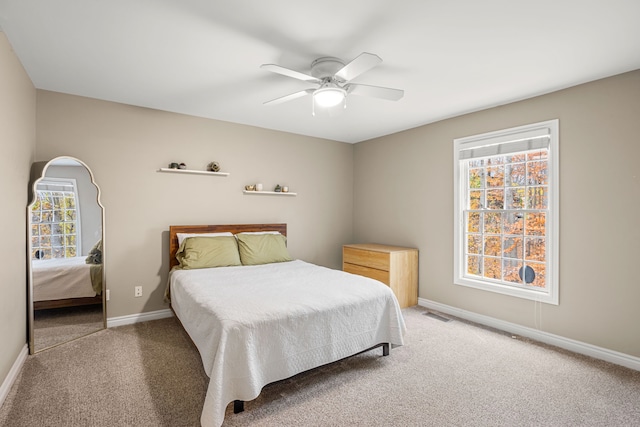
[(506, 211), (55, 219)]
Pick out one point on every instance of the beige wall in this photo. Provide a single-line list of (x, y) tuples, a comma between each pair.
[(17, 144), (125, 145), (403, 189)]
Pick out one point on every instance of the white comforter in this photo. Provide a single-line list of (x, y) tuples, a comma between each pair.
[(254, 325), (61, 278)]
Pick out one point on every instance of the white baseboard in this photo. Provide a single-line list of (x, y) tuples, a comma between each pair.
[(136, 318), (601, 353), (13, 373)]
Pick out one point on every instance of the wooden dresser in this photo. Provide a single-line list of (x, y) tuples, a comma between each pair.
[(393, 265)]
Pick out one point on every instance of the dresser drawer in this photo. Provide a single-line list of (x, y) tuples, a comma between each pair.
[(372, 259), (372, 273)]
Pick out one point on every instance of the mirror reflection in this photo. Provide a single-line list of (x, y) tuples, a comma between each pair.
[(66, 254)]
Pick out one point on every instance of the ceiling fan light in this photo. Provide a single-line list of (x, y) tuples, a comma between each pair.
[(329, 96)]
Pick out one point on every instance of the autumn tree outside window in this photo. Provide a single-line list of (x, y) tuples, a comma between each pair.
[(506, 211)]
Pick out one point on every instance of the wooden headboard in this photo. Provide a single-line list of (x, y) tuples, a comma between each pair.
[(232, 228)]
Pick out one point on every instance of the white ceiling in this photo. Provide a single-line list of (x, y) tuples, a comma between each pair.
[(202, 57)]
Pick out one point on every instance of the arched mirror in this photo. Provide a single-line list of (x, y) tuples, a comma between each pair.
[(66, 260)]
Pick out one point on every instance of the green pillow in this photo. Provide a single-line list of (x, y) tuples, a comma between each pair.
[(262, 248), (207, 252), (95, 254)]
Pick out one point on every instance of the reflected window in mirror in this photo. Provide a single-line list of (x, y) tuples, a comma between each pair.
[(55, 216)]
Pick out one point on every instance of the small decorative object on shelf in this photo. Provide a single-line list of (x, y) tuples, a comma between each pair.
[(278, 189), (259, 186), (173, 166), (285, 189), (250, 187), (213, 167), (182, 166)]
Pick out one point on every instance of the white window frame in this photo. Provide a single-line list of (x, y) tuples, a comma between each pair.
[(486, 145), (66, 185)]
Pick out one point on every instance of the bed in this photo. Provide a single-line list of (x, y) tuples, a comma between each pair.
[(264, 322), (65, 282)]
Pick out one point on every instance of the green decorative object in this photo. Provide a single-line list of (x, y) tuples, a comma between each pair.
[(278, 189)]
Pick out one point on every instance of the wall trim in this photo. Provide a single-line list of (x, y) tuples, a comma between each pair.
[(139, 317), (601, 353), (5, 388)]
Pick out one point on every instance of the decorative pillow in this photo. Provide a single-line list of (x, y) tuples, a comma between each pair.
[(207, 252), (95, 254), (182, 236), (262, 248)]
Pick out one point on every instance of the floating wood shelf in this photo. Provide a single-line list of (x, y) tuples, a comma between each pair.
[(270, 193), (194, 172)]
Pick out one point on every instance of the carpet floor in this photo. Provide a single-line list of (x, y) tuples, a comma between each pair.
[(447, 374), (59, 325)]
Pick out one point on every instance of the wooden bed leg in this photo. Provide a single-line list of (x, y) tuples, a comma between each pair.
[(385, 349), (238, 406)]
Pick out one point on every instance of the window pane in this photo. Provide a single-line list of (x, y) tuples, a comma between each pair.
[(70, 202), (537, 198), (493, 222), (540, 274), (473, 222), (47, 216), (492, 245), (58, 200), (511, 268), (473, 265), (492, 268), (535, 224), (537, 173), (513, 222), (515, 198), (536, 249), (495, 176), (512, 247), (495, 199), (475, 199), (515, 175), (476, 178), (474, 243)]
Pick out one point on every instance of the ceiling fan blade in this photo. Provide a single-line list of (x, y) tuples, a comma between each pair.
[(289, 97), (375, 91), (363, 62), (290, 73)]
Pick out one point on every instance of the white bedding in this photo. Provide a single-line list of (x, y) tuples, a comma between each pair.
[(61, 278), (254, 325)]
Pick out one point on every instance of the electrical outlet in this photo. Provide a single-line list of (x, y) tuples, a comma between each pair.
[(138, 291)]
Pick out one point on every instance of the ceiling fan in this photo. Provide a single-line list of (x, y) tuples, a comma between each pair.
[(333, 78)]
